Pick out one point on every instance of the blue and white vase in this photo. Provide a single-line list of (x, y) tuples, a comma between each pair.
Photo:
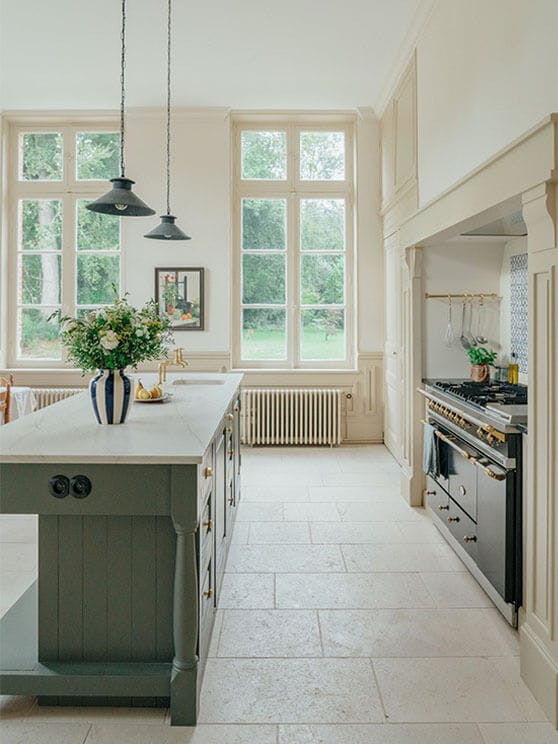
[(111, 395)]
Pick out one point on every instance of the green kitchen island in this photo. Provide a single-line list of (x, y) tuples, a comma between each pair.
[(134, 525)]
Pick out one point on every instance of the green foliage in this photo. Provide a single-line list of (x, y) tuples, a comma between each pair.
[(97, 155), (263, 279), (322, 156), (264, 224), (322, 279), (96, 274), (41, 225), (481, 355), (322, 224), (116, 336), (264, 155), (96, 231), (42, 156)]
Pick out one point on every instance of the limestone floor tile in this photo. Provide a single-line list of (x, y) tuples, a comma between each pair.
[(354, 532), (15, 706), (369, 493), (30, 732), (359, 478), (267, 633), (63, 714), (382, 733), (395, 510), (275, 493), (419, 532), (412, 633), (18, 556), (276, 476), (260, 512), (289, 691), (311, 512), (279, 532), (351, 591), (216, 633), (518, 733), (456, 590), (13, 584), (401, 557), (510, 677), (280, 558), (247, 591), (446, 690), (240, 533), (166, 734), (509, 635), (18, 528)]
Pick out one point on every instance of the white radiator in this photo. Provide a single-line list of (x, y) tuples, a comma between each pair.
[(291, 416), (46, 396)]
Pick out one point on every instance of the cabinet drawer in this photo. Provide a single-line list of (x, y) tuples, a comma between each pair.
[(462, 528), (207, 596), (206, 475), (438, 499), (207, 524)]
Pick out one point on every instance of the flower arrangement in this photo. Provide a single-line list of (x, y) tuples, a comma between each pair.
[(116, 336)]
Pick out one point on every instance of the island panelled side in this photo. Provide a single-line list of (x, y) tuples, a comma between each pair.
[(129, 577)]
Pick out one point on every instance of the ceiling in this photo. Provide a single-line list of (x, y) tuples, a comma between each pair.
[(235, 53)]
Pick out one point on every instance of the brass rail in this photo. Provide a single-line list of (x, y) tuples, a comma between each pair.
[(466, 296)]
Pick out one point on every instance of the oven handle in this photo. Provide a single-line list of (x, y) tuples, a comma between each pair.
[(467, 455)]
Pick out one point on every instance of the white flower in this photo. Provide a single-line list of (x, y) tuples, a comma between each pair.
[(109, 340), (141, 331)]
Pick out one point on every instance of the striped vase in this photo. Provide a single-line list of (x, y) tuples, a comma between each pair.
[(111, 396)]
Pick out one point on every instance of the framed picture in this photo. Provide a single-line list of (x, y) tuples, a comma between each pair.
[(179, 294)]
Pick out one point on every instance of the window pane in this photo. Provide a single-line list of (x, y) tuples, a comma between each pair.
[(322, 224), (41, 224), (96, 231), (264, 224), (41, 156), (97, 155), (322, 334), (322, 156), (95, 277), (263, 334), (263, 279), (40, 278), (38, 336), (322, 280), (264, 155)]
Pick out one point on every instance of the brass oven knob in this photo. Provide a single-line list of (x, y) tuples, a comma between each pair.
[(441, 507), (453, 519), (471, 538), (208, 472)]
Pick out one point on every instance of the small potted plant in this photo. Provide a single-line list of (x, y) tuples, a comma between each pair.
[(109, 340), (481, 359)]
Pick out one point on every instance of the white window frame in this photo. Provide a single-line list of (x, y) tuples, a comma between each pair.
[(69, 191), (294, 190)]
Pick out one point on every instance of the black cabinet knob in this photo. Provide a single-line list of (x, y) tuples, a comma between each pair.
[(59, 486), (80, 486)]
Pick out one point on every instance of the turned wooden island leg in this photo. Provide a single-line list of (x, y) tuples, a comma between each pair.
[(183, 703)]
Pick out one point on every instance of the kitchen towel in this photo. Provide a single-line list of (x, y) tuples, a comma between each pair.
[(431, 451)]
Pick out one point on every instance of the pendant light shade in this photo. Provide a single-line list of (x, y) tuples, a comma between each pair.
[(166, 229), (120, 200)]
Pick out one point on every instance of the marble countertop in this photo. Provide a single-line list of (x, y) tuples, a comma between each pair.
[(175, 431)]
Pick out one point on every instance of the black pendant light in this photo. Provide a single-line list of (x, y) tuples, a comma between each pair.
[(121, 200), (166, 229)]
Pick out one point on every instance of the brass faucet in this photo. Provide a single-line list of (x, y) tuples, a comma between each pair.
[(178, 361)]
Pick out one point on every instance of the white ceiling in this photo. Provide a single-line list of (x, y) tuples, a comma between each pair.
[(240, 53)]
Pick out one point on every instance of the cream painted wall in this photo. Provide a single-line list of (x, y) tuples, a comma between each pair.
[(458, 267), (486, 73), (201, 201)]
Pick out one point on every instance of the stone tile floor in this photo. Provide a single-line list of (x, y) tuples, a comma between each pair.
[(344, 619)]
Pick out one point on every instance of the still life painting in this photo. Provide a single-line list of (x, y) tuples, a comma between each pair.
[(179, 296)]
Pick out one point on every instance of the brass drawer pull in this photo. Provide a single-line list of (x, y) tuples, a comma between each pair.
[(441, 507), (471, 538), (208, 524), (208, 472), (231, 453), (229, 429), (208, 594), (230, 416), (231, 500), (453, 519), (430, 493)]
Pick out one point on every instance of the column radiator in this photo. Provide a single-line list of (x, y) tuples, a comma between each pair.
[(291, 416), (46, 396)]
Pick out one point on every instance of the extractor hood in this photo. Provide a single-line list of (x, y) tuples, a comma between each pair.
[(510, 226)]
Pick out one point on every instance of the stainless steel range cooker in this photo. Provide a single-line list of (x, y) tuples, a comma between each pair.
[(474, 479)]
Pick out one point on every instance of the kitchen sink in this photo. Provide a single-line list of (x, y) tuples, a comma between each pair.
[(186, 381)]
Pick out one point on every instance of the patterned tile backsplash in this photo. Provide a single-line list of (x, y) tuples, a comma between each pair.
[(518, 309)]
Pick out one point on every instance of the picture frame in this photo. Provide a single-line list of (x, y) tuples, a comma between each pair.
[(179, 294)]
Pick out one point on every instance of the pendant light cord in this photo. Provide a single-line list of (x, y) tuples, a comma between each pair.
[(169, 12), (122, 85)]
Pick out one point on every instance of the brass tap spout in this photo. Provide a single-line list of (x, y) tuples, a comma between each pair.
[(177, 361)]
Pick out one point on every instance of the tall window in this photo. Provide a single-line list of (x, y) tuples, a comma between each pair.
[(293, 203), (64, 256)]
